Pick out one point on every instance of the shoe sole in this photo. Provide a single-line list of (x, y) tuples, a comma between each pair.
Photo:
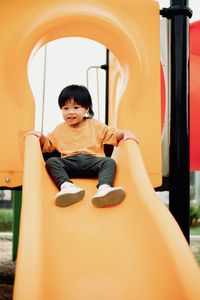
[(69, 199), (111, 199)]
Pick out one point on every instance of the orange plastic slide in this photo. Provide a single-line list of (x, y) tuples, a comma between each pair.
[(134, 251), (129, 29)]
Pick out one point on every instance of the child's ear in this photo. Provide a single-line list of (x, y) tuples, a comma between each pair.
[(87, 111), (86, 114)]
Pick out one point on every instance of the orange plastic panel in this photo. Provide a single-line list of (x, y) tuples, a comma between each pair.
[(132, 251), (130, 29)]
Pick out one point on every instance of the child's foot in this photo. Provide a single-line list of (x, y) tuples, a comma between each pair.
[(108, 196), (69, 194)]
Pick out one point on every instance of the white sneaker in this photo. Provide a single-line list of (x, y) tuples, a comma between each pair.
[(108, 196), (69, 194)]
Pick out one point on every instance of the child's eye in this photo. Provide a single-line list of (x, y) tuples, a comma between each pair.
[(76, 107)]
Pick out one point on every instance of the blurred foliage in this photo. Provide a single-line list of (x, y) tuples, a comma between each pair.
[(2, 194), (194, 213), (6, 219)]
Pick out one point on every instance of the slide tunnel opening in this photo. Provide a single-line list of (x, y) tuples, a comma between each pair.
[(61, 62)]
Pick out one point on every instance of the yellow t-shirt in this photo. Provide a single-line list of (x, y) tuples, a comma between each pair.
[(87, 138)]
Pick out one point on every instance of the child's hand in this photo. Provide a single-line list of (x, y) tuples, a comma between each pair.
[(128, 135), (123, 135), (38, 134)]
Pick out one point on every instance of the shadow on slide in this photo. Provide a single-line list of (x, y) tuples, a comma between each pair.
[(134, 251)]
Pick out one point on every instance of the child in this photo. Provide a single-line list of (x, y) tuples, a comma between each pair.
[(80, 141)]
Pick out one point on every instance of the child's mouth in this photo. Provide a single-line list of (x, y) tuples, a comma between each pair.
[(71, 119)]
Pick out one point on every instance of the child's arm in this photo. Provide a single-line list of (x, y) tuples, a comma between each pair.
[(39, 135), (126, 135)]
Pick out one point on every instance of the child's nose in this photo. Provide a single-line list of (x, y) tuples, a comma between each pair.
[(71, 110)]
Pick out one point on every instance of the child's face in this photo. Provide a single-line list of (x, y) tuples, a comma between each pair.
[(73, 113)]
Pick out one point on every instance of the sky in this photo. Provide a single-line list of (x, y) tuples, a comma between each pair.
[(68, 61)]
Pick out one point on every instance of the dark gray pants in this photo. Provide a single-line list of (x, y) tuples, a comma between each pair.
[(81, 166)]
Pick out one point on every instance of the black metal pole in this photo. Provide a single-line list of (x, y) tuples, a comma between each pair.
[(107, 86), (108, 149), (106, 68), (179, 193)]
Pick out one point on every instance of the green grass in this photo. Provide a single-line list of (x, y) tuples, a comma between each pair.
[(195, 230), (6, 219)]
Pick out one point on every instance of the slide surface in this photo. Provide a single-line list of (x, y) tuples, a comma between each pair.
[(132, 251)]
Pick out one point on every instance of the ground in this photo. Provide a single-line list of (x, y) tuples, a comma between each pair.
[(7, 268)]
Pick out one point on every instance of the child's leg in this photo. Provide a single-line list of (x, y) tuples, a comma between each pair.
[(107, 195), (60, 170), (105, 167), (56, 169), (107, 171)]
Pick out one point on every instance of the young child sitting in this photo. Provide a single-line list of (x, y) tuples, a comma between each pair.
[(80, 140)]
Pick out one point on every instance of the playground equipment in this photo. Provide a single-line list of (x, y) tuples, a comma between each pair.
[(194, 95), (38, 24), (132, 251)]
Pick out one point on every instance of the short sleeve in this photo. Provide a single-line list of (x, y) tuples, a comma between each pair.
[(109, 135), (49, 144)]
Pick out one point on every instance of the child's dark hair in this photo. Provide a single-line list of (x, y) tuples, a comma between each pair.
[(79, 94)]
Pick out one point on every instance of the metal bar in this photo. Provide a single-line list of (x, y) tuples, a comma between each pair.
[(107, 87), (44, 86), (17, 201), (179, 193)]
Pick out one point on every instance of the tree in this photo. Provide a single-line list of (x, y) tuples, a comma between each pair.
[(2, 194)]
